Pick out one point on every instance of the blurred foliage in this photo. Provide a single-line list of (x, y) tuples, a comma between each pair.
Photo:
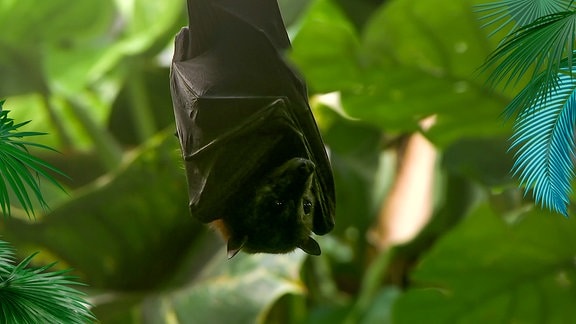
[(96, 79)]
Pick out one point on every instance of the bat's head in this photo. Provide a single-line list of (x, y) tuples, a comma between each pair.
[(277, 216)]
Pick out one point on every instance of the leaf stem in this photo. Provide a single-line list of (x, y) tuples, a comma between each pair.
[(140, 106), (56, 121)]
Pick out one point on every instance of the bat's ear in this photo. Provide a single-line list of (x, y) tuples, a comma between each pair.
[(234, 246), (310, 246)]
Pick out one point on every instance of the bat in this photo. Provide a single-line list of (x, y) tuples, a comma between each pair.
[(255, 162)]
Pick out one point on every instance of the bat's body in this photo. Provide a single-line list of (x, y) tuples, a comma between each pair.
[(254, 158)]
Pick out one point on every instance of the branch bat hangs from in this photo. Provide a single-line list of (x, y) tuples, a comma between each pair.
[(254, 158)]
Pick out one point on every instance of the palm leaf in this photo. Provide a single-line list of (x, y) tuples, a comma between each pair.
[(544, 136), (19, 170), (30, 295), (514, 14), (538, 47)]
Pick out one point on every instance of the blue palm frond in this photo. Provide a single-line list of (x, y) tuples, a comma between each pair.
[(514, 14), (544, 136), (539, 45), (536, 47)]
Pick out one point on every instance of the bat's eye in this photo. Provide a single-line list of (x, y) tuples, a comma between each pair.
[(307, 205), (278, 204)]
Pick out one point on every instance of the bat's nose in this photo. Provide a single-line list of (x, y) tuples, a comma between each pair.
[(294, 175), (303, 166)]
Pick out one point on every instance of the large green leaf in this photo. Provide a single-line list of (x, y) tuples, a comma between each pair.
[(125, 228), (90, 75), (488, 271), (484, 160), (409, 63), (147, 26), (81, 41), (240, 290), (77, 56), (325, 48), (31, 22), (31, 30), (420, 65)]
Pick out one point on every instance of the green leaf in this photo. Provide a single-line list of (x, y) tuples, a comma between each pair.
[(18, 168), (240, 290), (488, 271), (339, 45), (29, 33), (380, 310), (483, 160), (31, 295), (145, 27), (255, 280), (143, 224), (31, 22), (414, 64)]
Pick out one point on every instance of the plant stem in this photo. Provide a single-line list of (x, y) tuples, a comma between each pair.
[(370, 284), (140, 106), (61, 133), (108, 149)]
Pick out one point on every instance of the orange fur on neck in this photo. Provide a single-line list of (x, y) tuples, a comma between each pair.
[(220, 226)]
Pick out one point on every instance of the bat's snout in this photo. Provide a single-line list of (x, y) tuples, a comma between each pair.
[(303, 167), (293, 177)]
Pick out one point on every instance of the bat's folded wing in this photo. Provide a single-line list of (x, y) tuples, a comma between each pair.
[(234, 142)]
